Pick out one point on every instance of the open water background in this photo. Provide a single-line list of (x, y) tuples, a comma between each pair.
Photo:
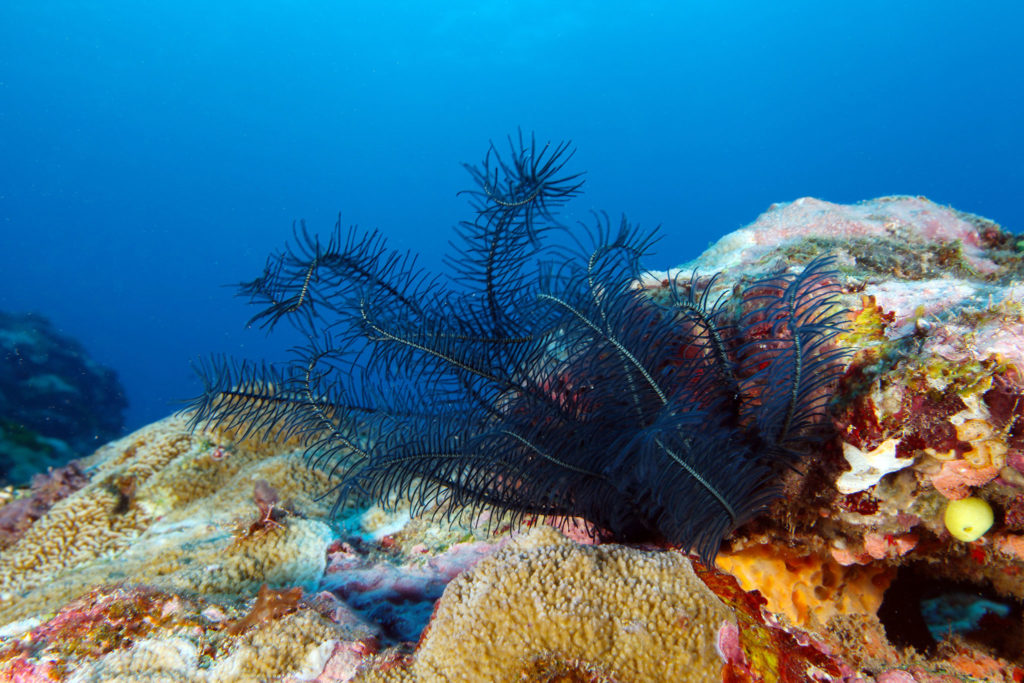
[(151, 152)]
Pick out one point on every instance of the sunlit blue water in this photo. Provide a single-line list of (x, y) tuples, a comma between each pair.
[(151, 152)]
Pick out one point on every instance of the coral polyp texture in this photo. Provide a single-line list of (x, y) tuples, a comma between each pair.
[(799, 457), (545, 606)]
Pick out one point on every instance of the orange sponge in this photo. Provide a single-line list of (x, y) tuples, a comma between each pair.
[(806, 588)]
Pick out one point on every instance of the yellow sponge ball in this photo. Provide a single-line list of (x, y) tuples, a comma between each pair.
[(968, 519)]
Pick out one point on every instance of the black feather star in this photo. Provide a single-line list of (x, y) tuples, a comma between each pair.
[(539, 379)]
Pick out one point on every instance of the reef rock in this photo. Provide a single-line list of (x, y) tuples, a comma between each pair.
[(203, 555), (929, 410)]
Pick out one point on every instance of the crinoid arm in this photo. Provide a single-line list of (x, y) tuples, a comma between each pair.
[(655, 418), (248, 399), (526, 187), (789, 356), (310, 281)]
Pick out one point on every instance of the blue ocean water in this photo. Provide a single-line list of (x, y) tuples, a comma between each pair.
[(152, 152)]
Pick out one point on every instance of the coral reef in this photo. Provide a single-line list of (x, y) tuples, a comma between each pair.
[(168, 510), (55, 402), (181, 519), (207, 555), (143, 634)]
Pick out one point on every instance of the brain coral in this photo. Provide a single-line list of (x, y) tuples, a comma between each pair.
[(163, 507), (546, 606), (144, 563)]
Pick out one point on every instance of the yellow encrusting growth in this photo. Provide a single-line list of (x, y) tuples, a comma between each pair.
[(969, 518), (547, 603)]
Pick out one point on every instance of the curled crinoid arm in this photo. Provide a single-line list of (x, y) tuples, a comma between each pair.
[(311, 280), (526, 187), (515, 200)]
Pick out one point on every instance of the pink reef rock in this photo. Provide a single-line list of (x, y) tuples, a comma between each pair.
[(921, 261), (913, 222)]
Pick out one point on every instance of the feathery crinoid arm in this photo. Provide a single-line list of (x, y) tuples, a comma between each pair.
[(789, 358), (246, 398), (313, 284), (524, 188), (310, 281), (310, 400)]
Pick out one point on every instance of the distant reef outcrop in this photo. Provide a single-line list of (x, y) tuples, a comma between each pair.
[(56, 403)]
